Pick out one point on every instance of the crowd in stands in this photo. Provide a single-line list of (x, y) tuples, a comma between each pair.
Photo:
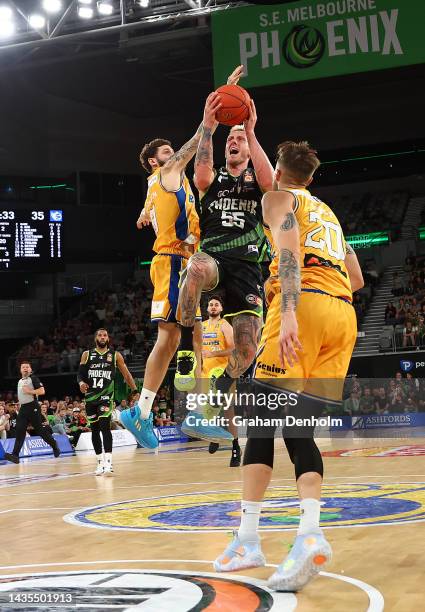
[(125, 312), (67, 416), (385, 396), (362, 298), (406, 313), (371, 212)]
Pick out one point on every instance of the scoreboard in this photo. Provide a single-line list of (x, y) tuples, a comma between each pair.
[(31, 239)]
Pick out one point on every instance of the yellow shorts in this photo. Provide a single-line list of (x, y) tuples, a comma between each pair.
[(165, 276), (213, 362), (327, 329)]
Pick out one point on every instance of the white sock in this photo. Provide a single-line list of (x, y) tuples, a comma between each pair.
[(99, 458), (146, 400), (250, 519), (108, 457), (310, 516)]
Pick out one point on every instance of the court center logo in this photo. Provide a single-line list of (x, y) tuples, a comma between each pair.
[(130, 589), (303, 47), (344, 505)]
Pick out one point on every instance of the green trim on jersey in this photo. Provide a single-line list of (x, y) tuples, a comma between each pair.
[(238, 242), (109, 390)]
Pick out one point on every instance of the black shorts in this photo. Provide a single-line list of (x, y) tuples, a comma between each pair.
[(240, 284), (99, 409)]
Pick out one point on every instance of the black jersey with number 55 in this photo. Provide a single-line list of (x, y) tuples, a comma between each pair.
[(230, 217), (101, 368)]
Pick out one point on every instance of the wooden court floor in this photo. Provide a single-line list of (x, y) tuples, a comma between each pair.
[(149, 534)]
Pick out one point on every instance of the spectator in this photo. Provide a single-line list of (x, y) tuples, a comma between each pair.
[(169, 417), (157, 419), (4, 422), (367, 402), (60, 425), (398, 285), (78, 426), (397, 401), (13, 409), (162, 400), (351, 405), (390, 314), (381, 403), (409, 334)]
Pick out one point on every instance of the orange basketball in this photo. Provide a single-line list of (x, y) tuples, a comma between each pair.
[(235, 102)]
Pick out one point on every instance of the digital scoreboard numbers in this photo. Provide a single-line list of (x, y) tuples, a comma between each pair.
[(31, 239)]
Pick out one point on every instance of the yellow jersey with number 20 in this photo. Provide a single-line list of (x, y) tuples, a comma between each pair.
[(322, 247)]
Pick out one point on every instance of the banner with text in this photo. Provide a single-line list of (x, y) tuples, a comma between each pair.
[(311, 40)]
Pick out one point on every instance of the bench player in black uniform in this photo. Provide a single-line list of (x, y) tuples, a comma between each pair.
[(232, 244), (96, 377)]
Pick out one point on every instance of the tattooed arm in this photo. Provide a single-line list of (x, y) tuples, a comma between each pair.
[(171, 171), (353, 268), (204, 162), (279, 216)]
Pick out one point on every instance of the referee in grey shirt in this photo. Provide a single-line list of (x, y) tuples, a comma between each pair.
[(29, 388)]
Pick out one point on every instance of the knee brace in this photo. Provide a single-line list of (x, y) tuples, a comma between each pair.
[(259, 450), (305, 455)]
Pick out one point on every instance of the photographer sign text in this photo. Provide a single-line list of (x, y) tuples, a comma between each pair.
[(311, 40)]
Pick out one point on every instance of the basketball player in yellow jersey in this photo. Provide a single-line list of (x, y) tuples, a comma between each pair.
[(170, 208), (217, 345), (309, 335)]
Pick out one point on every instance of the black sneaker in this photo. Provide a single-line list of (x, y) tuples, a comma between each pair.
[(213, 447), (235, 461), (56, 451), (11, 457)]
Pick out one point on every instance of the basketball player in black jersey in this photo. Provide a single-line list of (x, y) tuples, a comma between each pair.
[(96, 378), (232, 245)]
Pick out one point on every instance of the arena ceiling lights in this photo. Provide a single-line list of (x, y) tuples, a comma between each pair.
[(31, 22)]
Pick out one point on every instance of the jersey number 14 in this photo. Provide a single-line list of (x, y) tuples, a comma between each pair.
[(97, 383)]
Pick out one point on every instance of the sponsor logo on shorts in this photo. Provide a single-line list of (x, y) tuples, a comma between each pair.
[(253, 299), (252, 248), (157, 308), (269, 368)]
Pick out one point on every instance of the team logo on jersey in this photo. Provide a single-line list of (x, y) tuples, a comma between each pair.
[(303, 47), (109, 358), (248, 176), (252, 299), (343, 505), (130, 589)]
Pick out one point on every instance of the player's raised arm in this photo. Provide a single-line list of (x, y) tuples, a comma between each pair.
[(204, 160), (353, 268), (260, 161), (279, 215), (125, 372)]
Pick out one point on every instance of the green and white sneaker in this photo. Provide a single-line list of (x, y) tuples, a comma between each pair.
[(184, 379)]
